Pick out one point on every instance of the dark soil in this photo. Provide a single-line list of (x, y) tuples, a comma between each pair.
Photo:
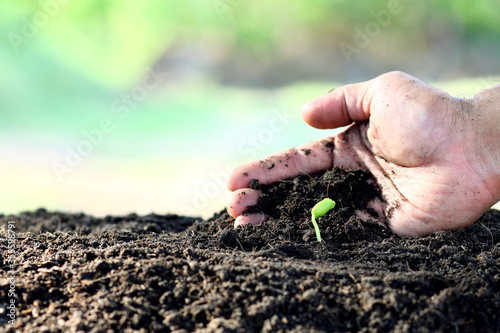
[(156, 273)]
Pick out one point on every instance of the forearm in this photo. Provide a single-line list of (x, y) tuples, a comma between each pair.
[(485, 119)]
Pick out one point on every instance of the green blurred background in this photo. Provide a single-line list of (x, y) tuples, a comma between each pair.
[(111, 107)]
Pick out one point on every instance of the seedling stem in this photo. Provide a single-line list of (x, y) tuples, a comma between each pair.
[(320, 209)]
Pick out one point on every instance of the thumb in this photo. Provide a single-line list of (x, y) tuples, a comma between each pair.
[(340, 107)]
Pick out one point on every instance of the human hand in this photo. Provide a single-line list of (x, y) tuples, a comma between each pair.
[(425, 148)]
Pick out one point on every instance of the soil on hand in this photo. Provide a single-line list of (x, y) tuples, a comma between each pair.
[(168, 273)]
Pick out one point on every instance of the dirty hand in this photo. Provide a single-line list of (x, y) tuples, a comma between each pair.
[(436, 158)]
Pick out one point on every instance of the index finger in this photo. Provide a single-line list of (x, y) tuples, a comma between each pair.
[(312, 157)]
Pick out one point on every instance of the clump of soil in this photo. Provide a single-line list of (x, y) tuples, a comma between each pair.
[(178, 274), (288, 204)]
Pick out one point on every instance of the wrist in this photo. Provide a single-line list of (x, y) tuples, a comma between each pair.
[(484, 120)]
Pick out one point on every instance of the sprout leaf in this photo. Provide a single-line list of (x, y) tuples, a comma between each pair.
[(320, 209)]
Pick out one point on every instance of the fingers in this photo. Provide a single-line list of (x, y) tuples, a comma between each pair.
[(375, 211), (316, 156), (254, 219), (340, 107), (351, 150), (310, 158), (241, 199)]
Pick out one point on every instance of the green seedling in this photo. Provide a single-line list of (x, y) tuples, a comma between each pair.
[(320, 209)]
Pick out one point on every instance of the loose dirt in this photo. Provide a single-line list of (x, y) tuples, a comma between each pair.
[(169, 273)]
